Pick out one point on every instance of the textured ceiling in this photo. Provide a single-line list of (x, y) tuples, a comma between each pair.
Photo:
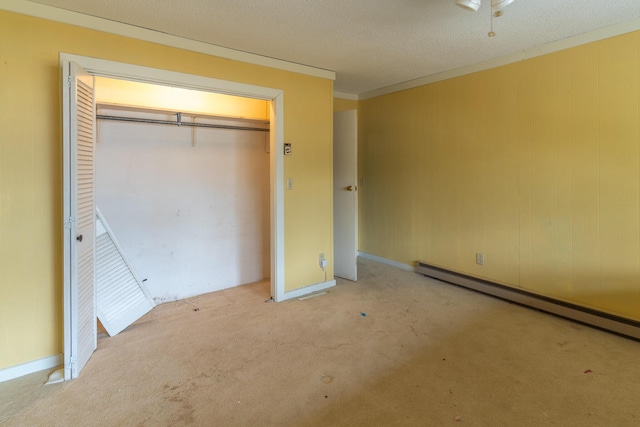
[(370, 44)]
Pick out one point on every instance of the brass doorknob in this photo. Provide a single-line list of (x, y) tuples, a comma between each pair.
[(349, 188)]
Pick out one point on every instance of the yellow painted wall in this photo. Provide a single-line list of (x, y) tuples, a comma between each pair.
[(340, 104), (150, 96), (535, 164), (31, 168)]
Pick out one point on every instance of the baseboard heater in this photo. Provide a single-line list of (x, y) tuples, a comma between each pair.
[(617, 325)]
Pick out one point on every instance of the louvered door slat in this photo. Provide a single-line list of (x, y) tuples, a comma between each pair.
[(122, 298), (85, 212)]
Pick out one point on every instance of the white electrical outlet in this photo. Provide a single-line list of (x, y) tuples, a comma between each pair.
[(322, 261), (479, 258)]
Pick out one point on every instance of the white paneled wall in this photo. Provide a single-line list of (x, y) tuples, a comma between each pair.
[(189, 206)]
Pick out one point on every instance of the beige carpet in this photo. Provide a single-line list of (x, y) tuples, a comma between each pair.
[(395, 348)]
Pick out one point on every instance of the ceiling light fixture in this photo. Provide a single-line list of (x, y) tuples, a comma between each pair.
[(472, 5), (496, 8)]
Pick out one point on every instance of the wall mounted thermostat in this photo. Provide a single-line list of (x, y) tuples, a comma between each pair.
[(287, 149)]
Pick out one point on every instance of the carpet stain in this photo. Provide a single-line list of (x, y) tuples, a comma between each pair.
[(180, 395)]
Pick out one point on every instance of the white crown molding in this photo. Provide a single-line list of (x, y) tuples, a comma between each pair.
[(593, 36), (343, 95), (37, 10)]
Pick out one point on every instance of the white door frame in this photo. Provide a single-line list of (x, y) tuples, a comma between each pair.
[(122, 71)]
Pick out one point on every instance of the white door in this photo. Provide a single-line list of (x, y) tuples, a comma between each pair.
[(345, 194), (79, 217), (121, 297)]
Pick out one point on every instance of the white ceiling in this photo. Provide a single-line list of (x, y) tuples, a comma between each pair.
[(370, 44)]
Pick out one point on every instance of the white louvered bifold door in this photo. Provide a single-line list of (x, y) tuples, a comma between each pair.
[(82, 221), (122, 297)]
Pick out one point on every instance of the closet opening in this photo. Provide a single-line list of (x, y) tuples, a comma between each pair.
[(182, 182), (83, 81)]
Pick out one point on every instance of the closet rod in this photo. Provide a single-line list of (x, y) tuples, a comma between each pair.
[(178, 123)]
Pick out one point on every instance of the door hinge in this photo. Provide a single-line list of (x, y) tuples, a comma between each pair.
[(69, 80), (69, 222), (73, 362)]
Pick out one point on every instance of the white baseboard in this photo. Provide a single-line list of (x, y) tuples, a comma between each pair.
[(17, 371), (386, 261), (309, 290)]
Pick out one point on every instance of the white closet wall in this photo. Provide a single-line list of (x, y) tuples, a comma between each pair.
[(189, 206)]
